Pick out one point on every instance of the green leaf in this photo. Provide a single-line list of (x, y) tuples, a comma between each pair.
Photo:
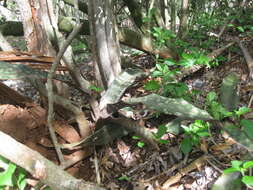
[(230, 170), (140, 144), (248, 164), (6, 176), (4, 160), (157, 74), (159, 67), (242, 111), (163, 141), (47, 188), (186, 145), (162, 129), (240, 29), (124, 178), (135, 137), (95, 88), (247, 127), (236, 164), (248, 180), (211, 96), (152, 85), (170, 62), (21, 178)]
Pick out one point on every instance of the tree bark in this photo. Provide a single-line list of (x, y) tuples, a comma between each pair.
[(104, 42), (183, 18)]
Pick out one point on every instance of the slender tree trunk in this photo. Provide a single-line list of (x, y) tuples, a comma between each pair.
[(173, 15), (105, 45), (183, 18)]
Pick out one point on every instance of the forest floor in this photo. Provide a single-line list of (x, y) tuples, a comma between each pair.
[(123, 164)]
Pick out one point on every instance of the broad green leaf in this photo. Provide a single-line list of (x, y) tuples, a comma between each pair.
[(242, 111), (230, 170), (21, 178), (186, 145), (248, 180), (136, 138), (157, 74), (172, 106), (162, 141), (95, 88), (124, 178), (6, 176), (152, 85), (159, 67), (140, 144), (240, 29), (248, 164), (162, 129), (211, 96), (236, 164), (170, 62)]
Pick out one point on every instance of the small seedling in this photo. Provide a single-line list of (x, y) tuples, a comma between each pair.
[(242, 167), (193, 133)]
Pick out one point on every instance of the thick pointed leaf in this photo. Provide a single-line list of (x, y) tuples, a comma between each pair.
[(119, 85), (229, 181), (229, 97), (173, 106), (174, 126), (13, 71), (239, 136)]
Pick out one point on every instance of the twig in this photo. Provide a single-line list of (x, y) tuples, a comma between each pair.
[(182, 172), (50, 116), (248, 58), (250, 101), (96, 166), (214, 166)]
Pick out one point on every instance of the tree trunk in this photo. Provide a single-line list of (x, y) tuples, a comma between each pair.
[(104, 43), (183, 18), (173, 16)]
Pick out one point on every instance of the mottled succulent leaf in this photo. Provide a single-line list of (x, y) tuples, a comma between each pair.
[(14, 71), (229, 97), (247, 127), (248, 180), (239, 136), (173, 106), (119, 85), (228, 181)]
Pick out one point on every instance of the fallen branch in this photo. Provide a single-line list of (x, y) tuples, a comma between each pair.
[(40, 167), (187, 71)]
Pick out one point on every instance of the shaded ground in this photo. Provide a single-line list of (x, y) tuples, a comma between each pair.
[(123, 165)]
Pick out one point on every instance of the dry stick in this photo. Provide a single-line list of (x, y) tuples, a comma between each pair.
[(50, 116)]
